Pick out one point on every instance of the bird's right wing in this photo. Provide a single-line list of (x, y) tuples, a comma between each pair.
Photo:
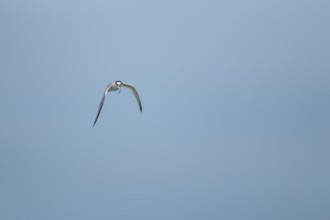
[(102, 102), (100, 108)]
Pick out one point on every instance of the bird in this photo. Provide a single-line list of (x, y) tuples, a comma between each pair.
[(115, 86)]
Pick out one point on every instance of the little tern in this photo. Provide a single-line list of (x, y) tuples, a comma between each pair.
[(115, 86)]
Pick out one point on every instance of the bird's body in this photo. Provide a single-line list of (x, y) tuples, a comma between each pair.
[(115, 86)]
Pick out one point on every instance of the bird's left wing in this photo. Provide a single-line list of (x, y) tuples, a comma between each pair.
[(136, 94)]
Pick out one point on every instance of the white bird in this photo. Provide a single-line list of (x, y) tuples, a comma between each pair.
[(115, 86)]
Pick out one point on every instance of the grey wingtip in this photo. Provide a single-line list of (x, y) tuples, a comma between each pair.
[(94, 122)]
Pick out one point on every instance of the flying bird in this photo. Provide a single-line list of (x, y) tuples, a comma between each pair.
[(115, 86)]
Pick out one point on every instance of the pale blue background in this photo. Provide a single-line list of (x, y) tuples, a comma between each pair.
[(235, 124)]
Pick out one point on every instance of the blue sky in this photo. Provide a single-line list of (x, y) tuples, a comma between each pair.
[(235, 121)]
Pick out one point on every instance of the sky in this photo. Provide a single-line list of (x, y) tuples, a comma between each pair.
[(235, 121)]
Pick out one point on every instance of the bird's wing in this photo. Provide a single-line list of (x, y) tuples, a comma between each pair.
[(102, 102), (132, 88)]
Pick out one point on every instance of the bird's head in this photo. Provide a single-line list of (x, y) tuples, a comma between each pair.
[(118, 84)]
